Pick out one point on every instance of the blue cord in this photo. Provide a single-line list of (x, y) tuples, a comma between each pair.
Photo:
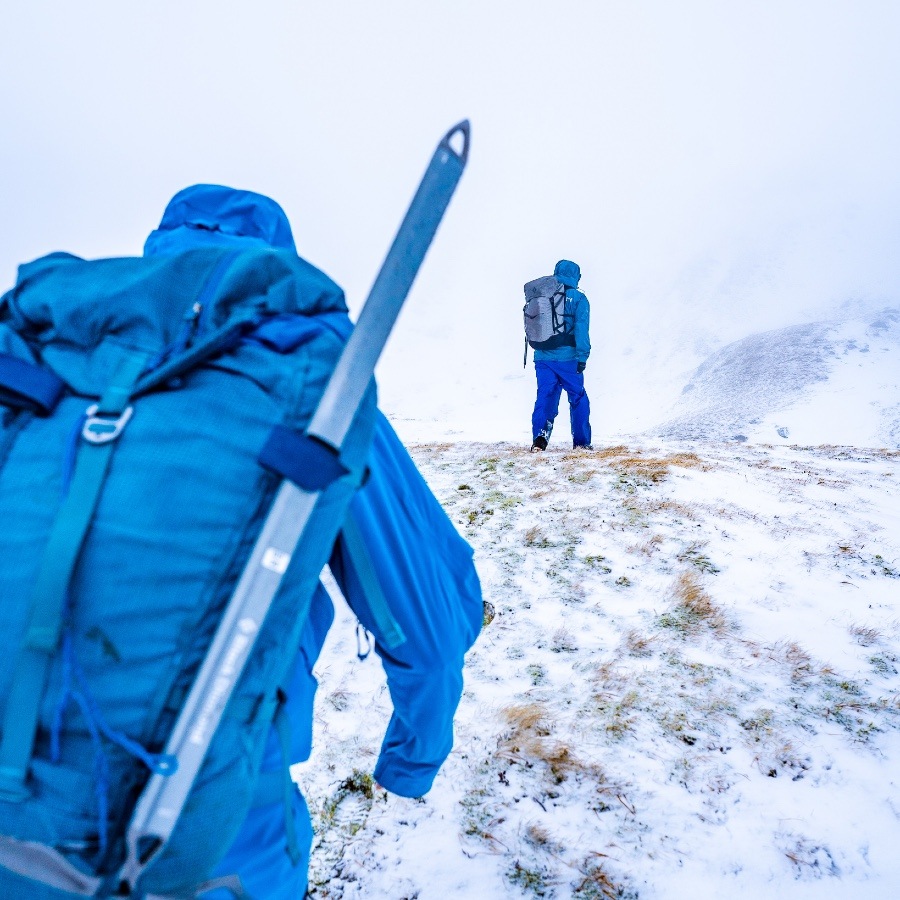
[(75, 687), (158, 763)]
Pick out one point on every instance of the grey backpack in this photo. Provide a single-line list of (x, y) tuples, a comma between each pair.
[(546, 324)]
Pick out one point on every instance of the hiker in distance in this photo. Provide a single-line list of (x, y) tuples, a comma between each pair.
[(243, 333), (557, 320)]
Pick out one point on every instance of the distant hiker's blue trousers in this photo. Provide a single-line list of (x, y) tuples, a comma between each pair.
[(552, 378)]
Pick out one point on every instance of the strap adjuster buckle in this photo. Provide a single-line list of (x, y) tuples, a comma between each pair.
[(100, 429)]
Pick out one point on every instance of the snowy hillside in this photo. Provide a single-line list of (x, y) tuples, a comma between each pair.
[(819, 383), (675, 371), (687, 685)]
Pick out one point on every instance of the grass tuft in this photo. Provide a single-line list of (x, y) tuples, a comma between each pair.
[(694, 555), (534, 880), (597, 884), (864, 636), (638, 644), (536, 538), (563, 641), (529, 741), (693, 610)]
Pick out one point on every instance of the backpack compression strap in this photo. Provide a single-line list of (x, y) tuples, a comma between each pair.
[(26, 386), (103, 423), (42, 863)]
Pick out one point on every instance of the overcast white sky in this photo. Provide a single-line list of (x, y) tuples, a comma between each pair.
[(728, 165)]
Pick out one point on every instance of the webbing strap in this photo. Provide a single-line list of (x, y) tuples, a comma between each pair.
[(48, 596), (42, 863), (277, 785), (389, 631), (27, 386), (39, 862), (283, 728), (228, 882), (310, 463), (220, 341)]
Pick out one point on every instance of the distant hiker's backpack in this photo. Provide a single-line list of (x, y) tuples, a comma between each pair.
[(138, 398), (546, 324)]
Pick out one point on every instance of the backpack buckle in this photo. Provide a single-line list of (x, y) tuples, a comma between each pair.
[(101, 429)]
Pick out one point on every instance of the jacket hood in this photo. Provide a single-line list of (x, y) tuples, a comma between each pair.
[(568, 273), (214, 215)]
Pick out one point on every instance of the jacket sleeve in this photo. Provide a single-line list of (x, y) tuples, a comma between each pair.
[(426, 573), (582, 327)]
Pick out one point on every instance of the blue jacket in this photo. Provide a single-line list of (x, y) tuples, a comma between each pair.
[(424, 568), (578, 308)]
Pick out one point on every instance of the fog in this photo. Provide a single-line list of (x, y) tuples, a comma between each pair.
[(715, 169)]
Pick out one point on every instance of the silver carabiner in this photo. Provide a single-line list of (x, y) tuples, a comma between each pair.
[(103, 429)]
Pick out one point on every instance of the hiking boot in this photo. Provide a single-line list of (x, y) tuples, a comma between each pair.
[(540, 443), (582, 446)]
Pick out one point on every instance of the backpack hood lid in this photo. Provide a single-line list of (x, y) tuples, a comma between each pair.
[(568, 273), (205, 211), (78, 311), (231, 248), (75, 309)]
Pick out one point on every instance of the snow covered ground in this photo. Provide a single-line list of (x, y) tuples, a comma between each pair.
[(687, 685)]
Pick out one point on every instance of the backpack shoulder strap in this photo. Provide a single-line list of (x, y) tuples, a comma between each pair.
[(103, 423)]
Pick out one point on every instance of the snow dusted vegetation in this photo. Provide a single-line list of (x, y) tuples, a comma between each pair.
[(686, 687), (687, 683)]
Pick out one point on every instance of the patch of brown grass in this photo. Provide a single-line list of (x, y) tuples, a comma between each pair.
[(865, 636), (539, 837), (582, 476), (534, 537), (638, 644), (798, 659), (432, 448), (612, 452), (834, 451), (648, 547), (596, 881), (693, 609), (528, 717), (649, 468), (689, 461), (609, 675), (529, 740), (787, 653), (697, 602), (616, 712), (668, 506), (653, 470)]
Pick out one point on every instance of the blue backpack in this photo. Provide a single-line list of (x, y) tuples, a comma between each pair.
[(136, 396)]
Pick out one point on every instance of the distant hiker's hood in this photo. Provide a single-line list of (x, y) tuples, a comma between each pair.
[(568, 273), (214, 215)]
